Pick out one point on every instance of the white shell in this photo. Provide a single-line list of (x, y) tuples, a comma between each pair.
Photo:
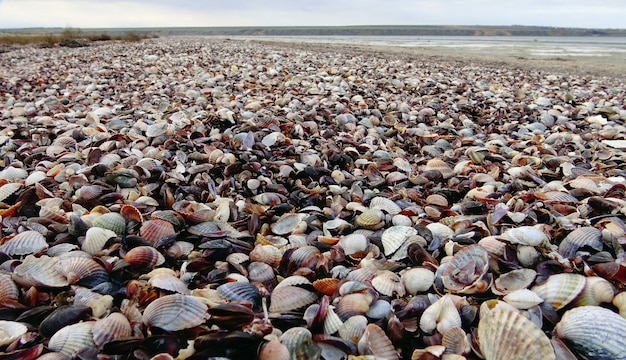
[(417, 280), (72, 339), (525, 235), (395, 236), (175, 312), (522, 299), (11, 331)]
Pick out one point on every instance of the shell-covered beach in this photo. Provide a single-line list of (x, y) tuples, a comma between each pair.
[(194, 198)]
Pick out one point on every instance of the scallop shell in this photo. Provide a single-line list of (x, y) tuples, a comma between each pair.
[(417, 280), (260, 272), (76, 269), (299, 342), (24, 243), (353, 304), (353, 328), (39, 271), (114, 326), (290, 298), (441, 166), (268, 254), (11, 331), (513, 280), (180, 249), (560, 289), (112, 221), (505, 334), (170, 283), (371, 219), (332, 322), (326, 286), (441, 315), (175, 312), (12, 173), (525, 235), (375, 342), (394, 237), (72, 339), (597, 291), (241, 291), (593, 332), (153, 230), (34, 177), (8, 289), (584, 236), (465, 271), (385, 204), (9, 189), (286, 224), (95, 239), (456, 342), (145, 257), (388, 283), (353, 243)]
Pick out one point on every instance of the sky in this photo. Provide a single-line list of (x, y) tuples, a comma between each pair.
[(175, 13)]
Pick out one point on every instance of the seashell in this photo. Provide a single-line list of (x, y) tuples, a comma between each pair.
[(268, 254), (95, 240), (35, 177), (8, 289), (441, 315), (115, 326), (505, 334), (39, 271), (619, 301), (353, 304), (326, 286), (440, 231), (159, 128), (456, 341), (169, 283), (354, 243), (241, 291), (417, 280), (597, 291), (493, 246), (131, 214), (175, 312), (287, 224), (81, 269), (353, 328), (9, 189), (112, 221), (465, 271), (401, 220), (593, 332), (145, 257), (439, 165), (394, 237), (290, 298), (11, 331), (375, 342), (24, 243), (53, 213), (180, 249), (62, 316), (371, 219), (274, 350), (385, 204), (527, 255), (522, 299), (388, 283), (73, 339), (332, 322), (300, 344), (153, 230), (11, 173), (380, 309), (525, 235), (513, 280), (205, 228), (560, 289), (581, 237), (259, 272)]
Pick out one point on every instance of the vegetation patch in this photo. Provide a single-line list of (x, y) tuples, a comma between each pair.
[(69, 37)]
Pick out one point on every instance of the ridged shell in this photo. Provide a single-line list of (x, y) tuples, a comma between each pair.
[(456, 342), (72, 339), (153, 230), (180, 249), (262, 273), (24, 243), (441, 166), (417, 280), (287, 224), (76, 269), (597, 291), (505, 334), (12, 173), (388, 283), (560, 289), (353, 243), (112, 221), (95, 239), (394, 237), (441, 315), (169, 283), (513, 280), (466, 269), (39, 271), (375, 342), (332, 322), (268, 254), (114, 326), (11, 331), (385, 204), (289, 298), (175, 312), (327, 286), (299, 342), (353, 328), (8, 289), (131, 214), (581, 237), (525, 235), (145, 257), (522, 299), (241, 291), (594, 332), (371, 219), (353, 304), (8, 189), (34, 177)]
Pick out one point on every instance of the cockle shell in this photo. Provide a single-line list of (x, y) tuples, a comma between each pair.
[(394, 237), (39, 271), (371, 219), (597, 291), (145, 257), (289, 298), (525, 235), (560, 289), (95, 239), (375, 342), (72, 339), (153, 230), (175, 312), (24, 243), (581, 237), (464, 273), (114, 326), (593, 332), (299, 342), (385, 204), (513, 280), (287, 224), (388, 283), (112, 221), (505, 334), (241, 291), (170, 283), (11, 331), (441, 166), (441, 315), (456, 341), (522, 298), (9, 189), (417, 280), (353, 243), (353, 328)]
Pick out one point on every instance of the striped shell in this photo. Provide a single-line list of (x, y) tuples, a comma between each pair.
[(388, 283), (385, 204), (8, 289), (593, 332), (505, 334), (114, 326), (268, 254), (465, 271), (11, 331), (12, 173), (441, 166), (241, 291), (76, 269), (34, 177), (95, 239), (299, 342), (112, 221), (169, 283), (144, 257), (153, 230), (287, 224), (417, 280), (394, 237), (8, 189), (39, 271), (371, 219), (290, 298), (584, 236), (513, 280), (24, 243), (175, 312), (525, 235), (375, 342), (560, 289), (353, 328), (72, 339)]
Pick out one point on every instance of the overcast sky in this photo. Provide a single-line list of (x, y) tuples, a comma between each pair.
[(169, 13)]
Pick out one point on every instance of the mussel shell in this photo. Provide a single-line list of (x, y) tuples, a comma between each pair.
[(63, 316)]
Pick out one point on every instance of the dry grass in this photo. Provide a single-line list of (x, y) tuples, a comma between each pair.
[(68, 34)]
